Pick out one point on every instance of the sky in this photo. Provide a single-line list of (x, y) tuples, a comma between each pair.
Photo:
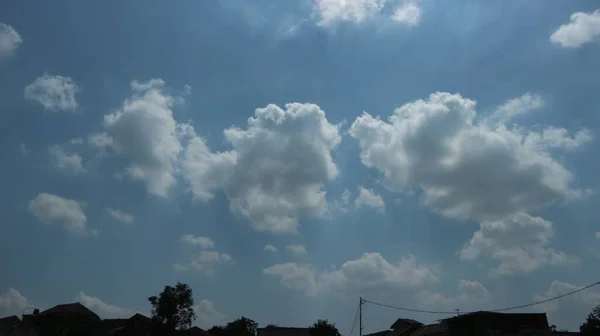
[(286, 158)]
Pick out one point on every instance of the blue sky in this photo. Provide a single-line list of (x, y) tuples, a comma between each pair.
[(434, 155)]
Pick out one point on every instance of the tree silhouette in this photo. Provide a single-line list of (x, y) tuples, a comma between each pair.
[(241, 327), (323, 328), (271, 326), (174, 306), (217, 331), (591, 326)]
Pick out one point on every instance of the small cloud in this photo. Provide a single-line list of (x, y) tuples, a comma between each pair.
[(121, 216), (55, 93), (408, 14), (155, 83), (583, 28), (202, 242), (10, 40), (76, 141), (368, 198), (65, 161), (296, 249), (68, 213), (270, 248)]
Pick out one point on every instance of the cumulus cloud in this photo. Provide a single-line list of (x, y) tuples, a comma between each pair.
[(12, 303), (471, 295), (55, 93), (206, 262), (570, 311), (10, 40), (68, 213), (144, 131), (121, 216), (368, 198), (330, 11), (270, 248), (202, 242), (277, 168), (296, 249), (68, 162), (104, 310), (437, 145), (583, 28), (519, 243), (409, 14), (208, 315), (371, 273)]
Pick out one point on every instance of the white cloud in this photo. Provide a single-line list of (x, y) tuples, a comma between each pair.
[(276, 170), (12, 303), (330, 11), (10, 40), (513, 107), (583, 28), (76, 141), (296, 249), (104, 310), (66, 161), (202, 242), (471, 296), (208, 315), (437, 146), (519, 243), (570, 311), (597, 235), (68, 213), (371, 273), (270, 248), (206, 262), (368, 198), (409, 14), (55, 93), (144, 131), (121, 216)]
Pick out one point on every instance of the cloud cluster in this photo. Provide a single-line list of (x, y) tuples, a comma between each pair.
[(207, 259), (55, 93), (10, 40), (476, 168), (519, 243), (51, 208), (371, 273), (583, 28), (329, 12), (68, 162)]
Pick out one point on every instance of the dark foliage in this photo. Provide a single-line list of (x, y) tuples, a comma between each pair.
[(323, 328), (173, 307)]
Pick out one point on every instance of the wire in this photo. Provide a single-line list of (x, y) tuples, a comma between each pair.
[(493, 311), (355, 317)]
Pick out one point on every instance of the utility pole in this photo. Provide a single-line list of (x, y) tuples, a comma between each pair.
[(360, 327)]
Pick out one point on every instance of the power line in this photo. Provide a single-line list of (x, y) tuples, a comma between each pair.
[(354, 323), (495, 310)]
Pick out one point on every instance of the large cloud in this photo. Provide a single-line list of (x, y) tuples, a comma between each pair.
[(55, 93), (144, 131), (276, 170), (371, 273), (466, 170), (571, 311), (583, 28), (10, 40), (12, 303), (55, 209), (104, 310), (519, 243)]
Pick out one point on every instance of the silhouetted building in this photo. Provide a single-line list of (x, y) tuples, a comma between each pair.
[(282, 331), (8, 325)]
